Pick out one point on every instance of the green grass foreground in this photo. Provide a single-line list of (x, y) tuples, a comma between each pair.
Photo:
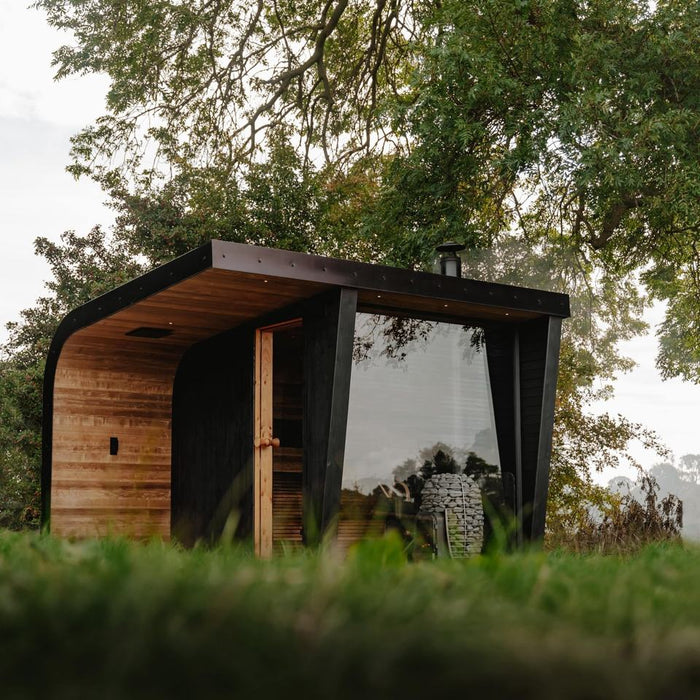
[(111, 619)]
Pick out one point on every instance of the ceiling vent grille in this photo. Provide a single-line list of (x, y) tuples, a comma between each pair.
[(150, 332)]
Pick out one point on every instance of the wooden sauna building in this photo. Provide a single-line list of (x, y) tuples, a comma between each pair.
[(276, 396)]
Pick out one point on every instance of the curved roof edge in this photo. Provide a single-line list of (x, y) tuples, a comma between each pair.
[(129, 293)]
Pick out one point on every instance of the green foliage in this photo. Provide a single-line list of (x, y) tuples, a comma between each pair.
[(20, 445), (679, 348), (626, 523), (203, 84), (276, 203), (112, 619)]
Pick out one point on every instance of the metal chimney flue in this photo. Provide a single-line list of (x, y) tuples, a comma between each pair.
[(450, 262)]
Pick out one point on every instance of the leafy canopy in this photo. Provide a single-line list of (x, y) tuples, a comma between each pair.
[(206, 81)]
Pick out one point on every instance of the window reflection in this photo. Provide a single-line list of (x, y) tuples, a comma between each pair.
[(420, 406)]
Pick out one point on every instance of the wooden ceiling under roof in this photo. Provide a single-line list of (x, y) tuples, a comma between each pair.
[(216, 300), (197, 308)]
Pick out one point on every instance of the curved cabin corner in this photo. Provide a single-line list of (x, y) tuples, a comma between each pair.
[(109, 382)]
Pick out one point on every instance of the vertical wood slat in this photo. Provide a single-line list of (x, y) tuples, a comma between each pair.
[(518, 438), (544, 448), (263, 455), (266, 370), (533, 350), (500, 344), (523, 365), (539, 358)]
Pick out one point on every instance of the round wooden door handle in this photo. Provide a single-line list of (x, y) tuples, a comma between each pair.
[(269, 442)]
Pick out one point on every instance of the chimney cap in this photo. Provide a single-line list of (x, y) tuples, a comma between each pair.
[(450, 247)]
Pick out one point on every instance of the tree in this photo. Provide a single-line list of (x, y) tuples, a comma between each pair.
[(275, 203), (683, 481), (205, 82), (562, 122), (689, 468), (561, 135)]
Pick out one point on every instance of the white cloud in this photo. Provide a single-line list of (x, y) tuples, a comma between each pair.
[(27, 87)]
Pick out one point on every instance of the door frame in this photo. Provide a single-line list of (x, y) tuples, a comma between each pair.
[(263, 437)]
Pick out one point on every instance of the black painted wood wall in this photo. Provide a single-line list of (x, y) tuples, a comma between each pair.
[(212, 470), (212, 462), (523, 365), (499, 353), (539, 363)]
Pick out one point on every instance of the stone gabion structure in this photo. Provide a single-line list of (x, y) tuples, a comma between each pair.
[(457, 499)]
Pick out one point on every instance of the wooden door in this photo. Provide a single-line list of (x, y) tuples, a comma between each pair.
[(278, 415)]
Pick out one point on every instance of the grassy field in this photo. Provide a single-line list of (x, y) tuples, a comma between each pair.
[(111, 619)]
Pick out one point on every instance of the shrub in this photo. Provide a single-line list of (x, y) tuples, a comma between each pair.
[(627, 524)]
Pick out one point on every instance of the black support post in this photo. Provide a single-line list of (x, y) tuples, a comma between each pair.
[(539, 362), (329, 327)]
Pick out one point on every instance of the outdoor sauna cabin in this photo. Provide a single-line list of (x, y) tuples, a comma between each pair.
[(278, 396)]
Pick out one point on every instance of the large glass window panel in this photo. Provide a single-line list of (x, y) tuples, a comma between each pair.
[(420, 405)]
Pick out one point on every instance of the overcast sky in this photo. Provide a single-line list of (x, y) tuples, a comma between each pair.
[(38, 198), (37, 117)]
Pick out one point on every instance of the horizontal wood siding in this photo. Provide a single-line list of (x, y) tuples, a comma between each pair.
[(286, 508), (103, 391), (108, 384)]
